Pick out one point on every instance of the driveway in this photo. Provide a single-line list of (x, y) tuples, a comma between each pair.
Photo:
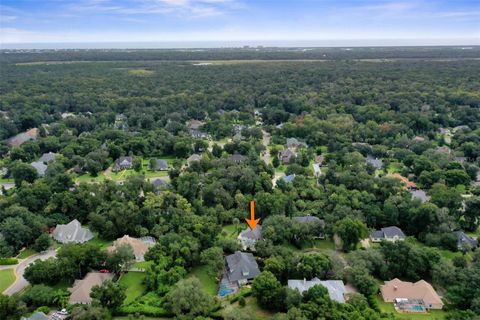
[(20, 283), (266, 142)]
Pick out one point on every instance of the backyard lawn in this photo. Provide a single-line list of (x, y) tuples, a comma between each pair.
[(25, 253), (208, 282), (230, 231), (103, 244), (251, 307), (7, 277), (133, 281), (388, 308)]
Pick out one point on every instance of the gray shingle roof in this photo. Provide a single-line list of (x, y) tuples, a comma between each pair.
[(72, 232), (465, 241), (336, 288), (48, 157), (308, 219), (241, 266), (40, 167), (374, 162), (388, 233), (255, 234), (237, 158), (289, 178), (37, 316), (159, 183), (161, 164), (420, 194)]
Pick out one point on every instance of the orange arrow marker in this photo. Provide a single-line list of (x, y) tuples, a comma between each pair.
[(252, 222)]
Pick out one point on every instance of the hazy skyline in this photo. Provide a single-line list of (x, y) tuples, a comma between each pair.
[(237, 22)]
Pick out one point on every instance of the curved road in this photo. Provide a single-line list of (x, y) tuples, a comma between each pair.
[(20, 283)]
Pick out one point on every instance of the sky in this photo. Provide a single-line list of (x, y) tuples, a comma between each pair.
[(306, 22)]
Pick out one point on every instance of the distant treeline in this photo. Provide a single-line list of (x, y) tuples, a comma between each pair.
[(248, 53)]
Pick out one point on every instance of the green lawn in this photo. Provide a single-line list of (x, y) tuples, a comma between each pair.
[(443, 252), (389, 308), (394, 167), (143, 264), (133, 281), (25, 253), (208, 282), (6, 180), (251, 308), (326, 244), (230, 231), (7, 277), (102, 243)]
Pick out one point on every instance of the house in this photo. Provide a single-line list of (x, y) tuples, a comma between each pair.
[(194, 124), (444, 150), (48, 157), (159, 183), (464, 241), (376, 163), (249, 237), (317, 172), (139, 246), (23, 137), (476, 183), (293, 143), (398, 291), (120, 122), (237, 158), (336, 288), (241, 267), (444, 131), (72, 232), (80, 292), (286, 156), (319, 160), (460, 128), (314, 222), (197, 134), (123, 163), (40, 167), (41, 164), (420, 195), (194, 157), (36, 316), (461, 160), (289, 178), (158, 165), (407, 183), (392, 234)]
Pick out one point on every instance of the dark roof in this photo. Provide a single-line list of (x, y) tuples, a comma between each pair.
[(159, 183), (464, 240), (237, 158), (241, 265), (388, 232)]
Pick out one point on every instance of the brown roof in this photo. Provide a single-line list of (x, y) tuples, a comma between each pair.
[(396, 288), (139, 247), (81, 288), (194, 124), (409, 184), (23, 137)]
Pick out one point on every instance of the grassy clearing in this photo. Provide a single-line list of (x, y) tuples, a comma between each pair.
[(443, 252), (394, 167), (25, 253), (389, 308), (230, 231), (141, 72), (6, 180), (326, 244), (251, 308), (7, 277), (208, 282), (133, 281)]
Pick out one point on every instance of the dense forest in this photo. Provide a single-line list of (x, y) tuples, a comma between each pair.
[(362, 139)]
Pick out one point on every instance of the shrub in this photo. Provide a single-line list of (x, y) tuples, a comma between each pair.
[(8, 261), (242, 302)]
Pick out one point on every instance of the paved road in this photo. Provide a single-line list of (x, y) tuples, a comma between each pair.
[(21, 283)]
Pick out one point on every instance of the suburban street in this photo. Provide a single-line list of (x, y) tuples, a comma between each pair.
[(20, 283)]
